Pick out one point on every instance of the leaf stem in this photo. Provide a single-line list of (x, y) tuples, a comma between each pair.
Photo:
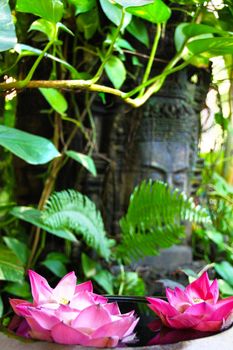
[(110, 49), (25, 81), (152, 56)]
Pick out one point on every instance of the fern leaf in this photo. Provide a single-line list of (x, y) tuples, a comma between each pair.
[(154, 220), (74, 211)]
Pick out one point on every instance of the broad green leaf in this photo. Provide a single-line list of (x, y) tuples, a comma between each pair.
[(31, 148), (20, 289), (44, 26), (185, 31), (94, 270), (157, 12), (225, 288), (194, 29), (52, 10), (88, 23), (83, 5), (105, 279), (128, 3), (55, 266), (133, 284), (212, 47), (89, 266), (138, 29), (8, 37), (57, 256), (225, 270), (33, 216), (116, 71), (18, 248), (114, 13), (65, 28), (10, 267), (83, 159), (1, 306), (56, 100)]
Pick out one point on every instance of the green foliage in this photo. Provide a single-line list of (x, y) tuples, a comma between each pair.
[(11, 268), (34, 217), (20, 249), (73, 211), (93, 270), (19, 289), (86, 161), (157, 12), (31, 148), (51, 10), (56, 100), (8, 37), (138, 29), (153, 220), (115, 70), (114, 13)]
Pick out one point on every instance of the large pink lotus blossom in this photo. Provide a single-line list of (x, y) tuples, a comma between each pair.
[(197, 307), (73, 314)]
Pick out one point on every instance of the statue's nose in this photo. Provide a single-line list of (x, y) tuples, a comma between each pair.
[(169, 179)]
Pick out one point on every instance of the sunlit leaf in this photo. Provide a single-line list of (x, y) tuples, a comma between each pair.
[(212, 46), (33, 216), (44, 26), (18, 248), (56, 100), (83, 159), (52, 10), (185, 31), (225, 270), (31, 148), (1, 307), (116, 71), (82, 6), (130, 3), (114, 13), (8, 37), (157, 12), (10, 267)]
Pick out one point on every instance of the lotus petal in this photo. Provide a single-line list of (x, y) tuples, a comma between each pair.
[(41, 291)]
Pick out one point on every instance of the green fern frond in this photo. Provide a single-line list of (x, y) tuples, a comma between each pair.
[(74, 211), (154, 219)]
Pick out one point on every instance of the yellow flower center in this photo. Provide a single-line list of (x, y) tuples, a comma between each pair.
[(63, 301), (197, 300)]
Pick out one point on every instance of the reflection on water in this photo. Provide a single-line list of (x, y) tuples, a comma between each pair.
[(150, 331)]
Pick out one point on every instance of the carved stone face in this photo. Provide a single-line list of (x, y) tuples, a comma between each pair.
[(166, 161)]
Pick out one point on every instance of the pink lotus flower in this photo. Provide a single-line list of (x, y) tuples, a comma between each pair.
[(73, 314), (197, 307)]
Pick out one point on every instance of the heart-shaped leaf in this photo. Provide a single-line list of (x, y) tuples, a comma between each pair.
[(83, 159), (56, 100), (114, 13), (157, 12), (115, 70), (31, 148), (52, 10), (128, 3), (8, 37)]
